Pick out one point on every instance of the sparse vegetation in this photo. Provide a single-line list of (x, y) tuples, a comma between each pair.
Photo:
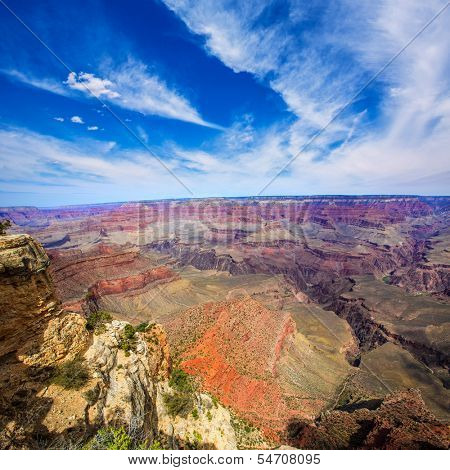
[(195, 413), (5, 224), (142, 327), (181, 381), (386, 279), (197, 436), (181, 402), (156, 445), (178, 404), (71, 375), (215, 401), (127, 340), (247, 436), (89, 296), (209, 415), (111, 439), (120, 439), (96, 321), (91, 396)]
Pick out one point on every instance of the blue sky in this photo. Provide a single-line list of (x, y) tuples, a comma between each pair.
[(180, 98)]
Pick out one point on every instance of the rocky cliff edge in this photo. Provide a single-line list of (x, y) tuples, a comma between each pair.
[(65, 383)]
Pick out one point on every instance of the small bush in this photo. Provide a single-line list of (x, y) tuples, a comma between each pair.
[(195, 413), (96, 321), (119, 439), (181, 381), (128, 331), (91, 396), (72, 374), (178, 404), (209, 415), (4, 226), (89, 296), (142, 327), (156, 445), (127, 340), (111, 439), (197, 437)]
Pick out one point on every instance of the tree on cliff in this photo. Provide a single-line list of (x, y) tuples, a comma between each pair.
[(4, 226)]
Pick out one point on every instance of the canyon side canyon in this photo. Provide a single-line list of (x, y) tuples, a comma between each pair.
[(249, 323)]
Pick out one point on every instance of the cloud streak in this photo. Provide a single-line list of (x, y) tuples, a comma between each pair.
[(317, 70), (395, 139), (132, 87), (129, 85)]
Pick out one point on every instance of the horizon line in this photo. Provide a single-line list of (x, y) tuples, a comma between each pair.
[(137, 201)]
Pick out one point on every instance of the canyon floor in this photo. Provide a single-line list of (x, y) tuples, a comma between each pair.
[(313, 322)]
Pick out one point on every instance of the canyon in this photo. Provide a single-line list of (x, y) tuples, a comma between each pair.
[(298, 319)]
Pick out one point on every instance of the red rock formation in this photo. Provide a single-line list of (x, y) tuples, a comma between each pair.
[(235, 348), (74, 272), (137, 281)]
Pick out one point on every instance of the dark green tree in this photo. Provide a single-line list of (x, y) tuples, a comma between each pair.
[(4, 226)]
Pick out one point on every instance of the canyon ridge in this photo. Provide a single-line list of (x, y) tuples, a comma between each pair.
[(250, 323)]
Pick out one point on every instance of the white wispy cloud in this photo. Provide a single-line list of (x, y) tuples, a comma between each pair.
[(317, 70), (129, 85), (59, 119), (77, 120), (405, 150), (142, 134), (47, 84), (92, 128), (276, 49), (133, 87), (88, 170), (89, 83)]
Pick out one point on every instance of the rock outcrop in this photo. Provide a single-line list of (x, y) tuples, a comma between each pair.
[(125, 372), (27, 299), (256, 362), (400, 421)]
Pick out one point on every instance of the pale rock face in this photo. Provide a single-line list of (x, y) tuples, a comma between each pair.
[(27, 297), (132, 390), (64, 337), (127, 383), (212, 428)]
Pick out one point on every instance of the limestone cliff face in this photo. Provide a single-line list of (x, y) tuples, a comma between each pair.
[(123, 387), (27, 297)]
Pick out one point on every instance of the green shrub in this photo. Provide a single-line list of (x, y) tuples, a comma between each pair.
[(111, 439), (209, 415), (91, 396), (181, 381), (195, 413), (5, 224), (89, 295), (127, 341), (128, 331), (142, 327), (178, 404), (96, 321), (72, 374), (156, 445), (197, 437)]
